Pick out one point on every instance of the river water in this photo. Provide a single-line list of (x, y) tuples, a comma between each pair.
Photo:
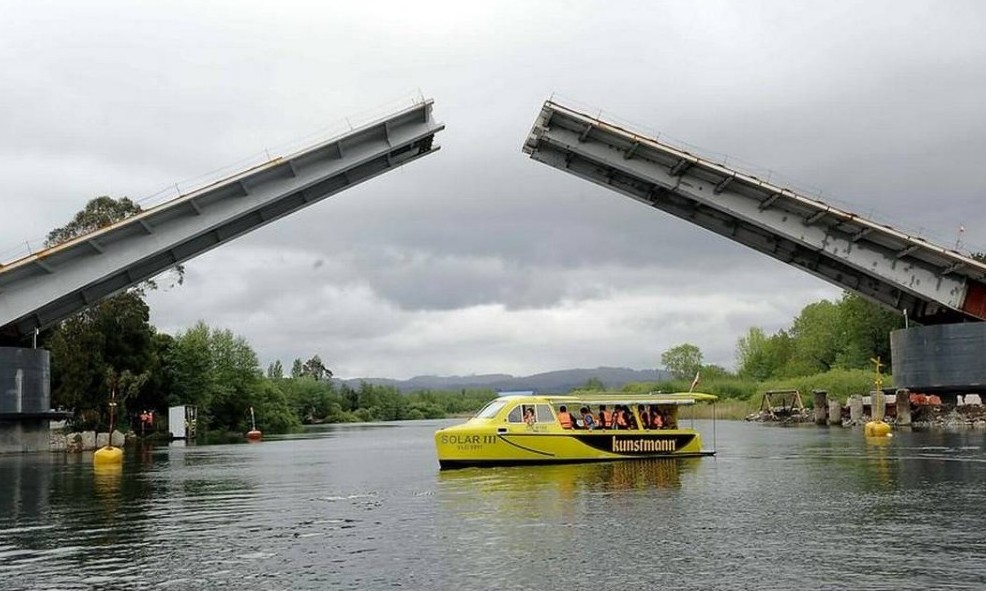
[(365, 507)]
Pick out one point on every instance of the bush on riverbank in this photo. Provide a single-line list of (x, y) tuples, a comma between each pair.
[(738, 396)]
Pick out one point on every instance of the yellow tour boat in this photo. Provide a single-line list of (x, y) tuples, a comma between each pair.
[(541, 429)]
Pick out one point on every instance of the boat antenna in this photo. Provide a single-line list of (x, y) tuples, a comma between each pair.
[(715, 446)]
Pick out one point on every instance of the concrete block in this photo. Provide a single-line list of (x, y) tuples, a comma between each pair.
[(24, 435), (117, 439), (73, 442), (903, 407), (820, 403), (102, 440), (856, 409), (973, 400), (88, 440), (835, 412)]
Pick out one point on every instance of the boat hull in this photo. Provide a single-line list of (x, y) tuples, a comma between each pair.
[(460, 447)]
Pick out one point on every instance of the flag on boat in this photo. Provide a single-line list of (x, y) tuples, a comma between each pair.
[(694, 382)]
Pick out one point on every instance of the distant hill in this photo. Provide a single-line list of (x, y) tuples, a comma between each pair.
[(552, 382)]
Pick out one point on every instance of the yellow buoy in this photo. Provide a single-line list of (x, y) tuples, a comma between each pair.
[(108, 455), (877, 429)]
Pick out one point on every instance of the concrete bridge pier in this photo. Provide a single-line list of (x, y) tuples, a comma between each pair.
[(25, 399)]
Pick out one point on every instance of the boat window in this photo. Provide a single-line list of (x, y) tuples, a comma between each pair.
[(489, 411), (544, 413), (516, 415)]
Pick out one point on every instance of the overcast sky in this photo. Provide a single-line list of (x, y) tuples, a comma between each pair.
[(477, 259)]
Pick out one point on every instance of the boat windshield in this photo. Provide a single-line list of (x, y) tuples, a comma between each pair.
[(489, 411)]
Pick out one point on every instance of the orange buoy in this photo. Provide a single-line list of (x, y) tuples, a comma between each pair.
[(253, 435)]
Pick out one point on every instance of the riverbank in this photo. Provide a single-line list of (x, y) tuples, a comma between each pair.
[(949, 416), (85, 440)]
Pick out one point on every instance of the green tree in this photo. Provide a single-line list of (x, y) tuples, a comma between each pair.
[(114, 335), (715, 372), (350, 396), (219, 372), (816, 338), (682, 361), (753, 359), (275, 371), (315, 369), (865, 331), (272, 408), (98, 213), (313, 402), (189, 364), (593, 384), (297, 369), (236, 374)]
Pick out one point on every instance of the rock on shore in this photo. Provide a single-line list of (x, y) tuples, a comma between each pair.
[(85, 441)]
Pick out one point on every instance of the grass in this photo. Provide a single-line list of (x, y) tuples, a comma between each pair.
[(730, 410)]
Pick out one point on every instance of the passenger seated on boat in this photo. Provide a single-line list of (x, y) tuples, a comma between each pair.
[(620, 418), (529, 415), (645, 417), (656, 419), (564, 418), (631, 419), (587, 421), (605, 417)]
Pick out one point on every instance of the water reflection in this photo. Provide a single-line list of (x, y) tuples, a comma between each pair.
[(366, 507), (624, 474), (24, 484), (552, 491)]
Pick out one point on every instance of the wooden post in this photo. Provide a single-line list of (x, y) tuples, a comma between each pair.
[(821, 406), (903, 406)]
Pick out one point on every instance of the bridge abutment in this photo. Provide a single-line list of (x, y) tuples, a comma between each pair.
[(943, 358), (25, 399)]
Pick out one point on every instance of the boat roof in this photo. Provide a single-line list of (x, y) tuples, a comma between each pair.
[(614, 398)]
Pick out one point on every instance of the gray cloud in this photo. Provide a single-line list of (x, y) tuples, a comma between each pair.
[(476, 258)]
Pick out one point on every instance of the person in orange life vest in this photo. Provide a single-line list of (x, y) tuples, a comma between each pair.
[(605, 417), (564, 418), (620, 418), (656, 420)]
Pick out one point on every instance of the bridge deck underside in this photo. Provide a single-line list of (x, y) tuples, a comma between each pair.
[(932, 284), (40, 290)]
